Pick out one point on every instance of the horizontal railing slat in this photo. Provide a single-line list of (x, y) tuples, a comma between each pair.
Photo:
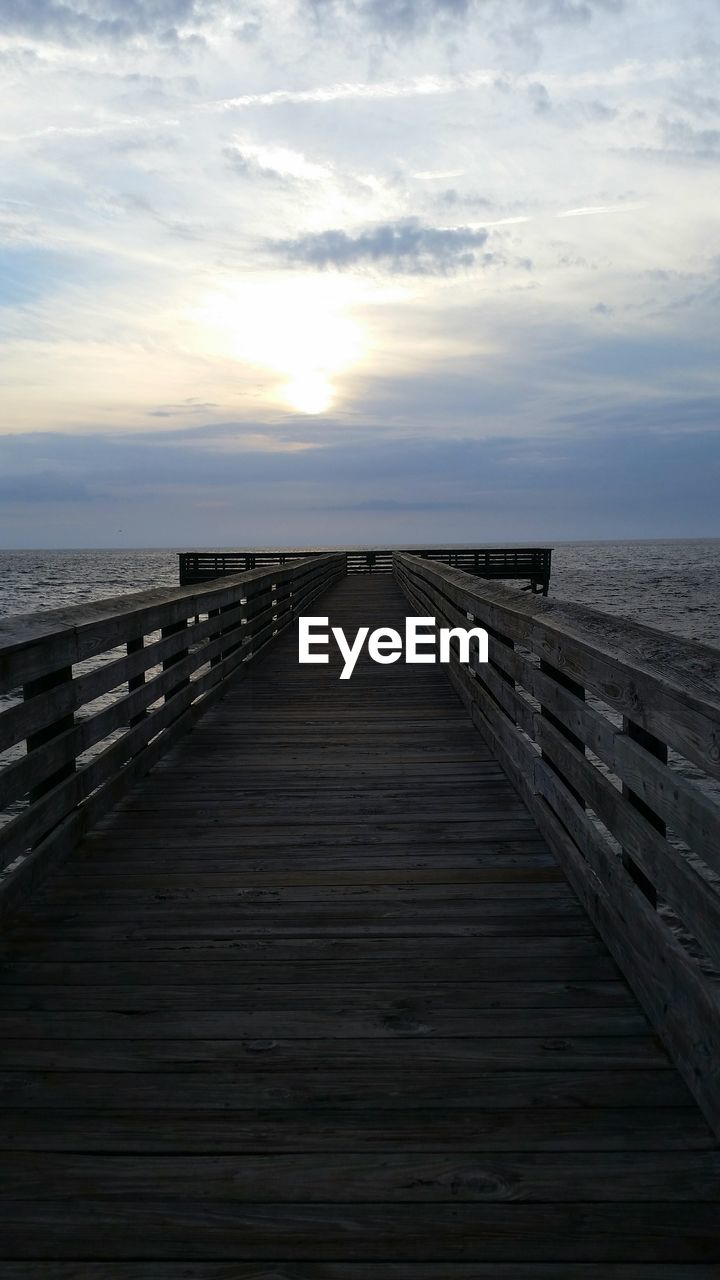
[(32, 645), (668, 685), (24, 718)]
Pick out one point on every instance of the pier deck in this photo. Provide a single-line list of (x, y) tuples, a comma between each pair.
[(316, 1002)]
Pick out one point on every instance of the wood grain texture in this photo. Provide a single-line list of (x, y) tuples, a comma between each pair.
[(315, 1002)]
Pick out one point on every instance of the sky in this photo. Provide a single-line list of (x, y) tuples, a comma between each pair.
[(346, 271)]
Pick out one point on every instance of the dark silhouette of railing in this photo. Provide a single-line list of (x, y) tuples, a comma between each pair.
[(526, 564)]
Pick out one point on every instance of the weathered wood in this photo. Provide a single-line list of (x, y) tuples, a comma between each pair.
[(668, 685), (385, 1000), (468, 1053), (136, 681), (33, 645), (283, 1270), (396, 1178), (658, 749), (668, 692), (272, 1130), (18, 721), (48, 733), (355, 1089), (316, 1001), (294, 950), (497, 1232)]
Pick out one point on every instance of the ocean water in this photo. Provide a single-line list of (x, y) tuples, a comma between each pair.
[(34, 580), (673, 585)]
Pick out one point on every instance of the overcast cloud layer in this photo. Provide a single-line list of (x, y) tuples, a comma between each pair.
[(346, 270)]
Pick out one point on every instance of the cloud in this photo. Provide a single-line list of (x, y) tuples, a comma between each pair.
[(436, 84), (469, 199), (602, 481), (683, 138), (383, 143), (587, 211), (249, 30), (276, 163), (78, 22), (412, 17), (359, 90), (42, 487), (188, 406), (406, 247), (397, 17), (539, 99), (572, 11)]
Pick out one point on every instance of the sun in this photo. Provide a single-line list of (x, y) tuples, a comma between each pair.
[(310, 393), (301, 329)]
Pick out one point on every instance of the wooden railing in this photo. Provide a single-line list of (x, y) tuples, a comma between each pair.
[(610, 731), (94, 695), (531, 564)]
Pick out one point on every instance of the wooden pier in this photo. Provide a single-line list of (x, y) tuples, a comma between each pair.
[(306, 979), (530, 565)]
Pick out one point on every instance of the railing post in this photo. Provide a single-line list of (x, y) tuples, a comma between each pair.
[(215, 613), (136, 682), (655, 747), (30, 690), (174, 630), (572, 686), (509, 644)]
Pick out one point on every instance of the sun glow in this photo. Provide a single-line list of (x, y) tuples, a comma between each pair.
[(300, 329), (310, 393)]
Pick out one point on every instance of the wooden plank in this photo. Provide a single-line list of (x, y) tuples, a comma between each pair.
[(394, 1178), (283, 1270), (428, 965), (380, 997), (356, 1089), (188, 1229), (391, 951), (527, 872), (426, 1129), (321, 1023), (488, 1053)]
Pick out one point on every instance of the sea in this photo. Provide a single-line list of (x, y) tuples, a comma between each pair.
[(670, 584)]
